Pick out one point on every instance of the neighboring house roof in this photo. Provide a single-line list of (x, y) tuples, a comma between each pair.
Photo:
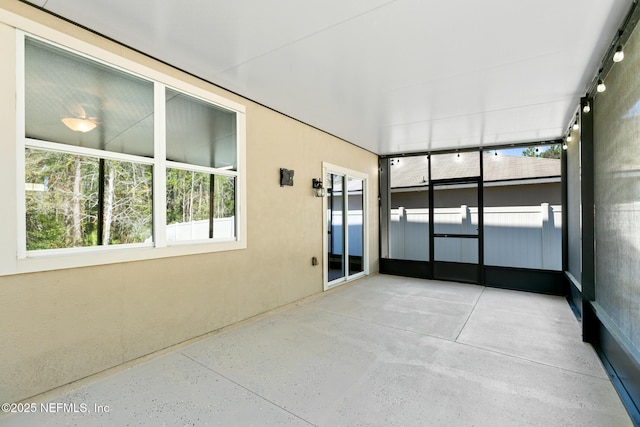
[(413, 171)]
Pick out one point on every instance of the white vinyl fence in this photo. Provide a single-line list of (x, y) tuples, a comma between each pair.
[(355, 233), (196, 230), (514, 236)]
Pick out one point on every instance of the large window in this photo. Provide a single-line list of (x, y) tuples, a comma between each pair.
[(113, 158), (201, 159), (74, 200)]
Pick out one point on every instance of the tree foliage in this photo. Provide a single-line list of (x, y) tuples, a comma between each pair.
[(553, 152), (188, 195), (51, 179), (63, 203)]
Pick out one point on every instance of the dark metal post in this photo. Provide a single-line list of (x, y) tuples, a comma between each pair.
[(565, 209), (212, 196), (481, 221), (384, 191), (100, 219), (432, 226), (588, 220)]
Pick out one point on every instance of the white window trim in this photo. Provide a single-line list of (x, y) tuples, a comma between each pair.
[(349, 173), (14, 259), (86, 152)]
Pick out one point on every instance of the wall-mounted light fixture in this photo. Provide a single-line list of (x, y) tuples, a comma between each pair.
[(318, 188)]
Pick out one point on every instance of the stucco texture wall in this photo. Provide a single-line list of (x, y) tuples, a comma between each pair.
[(63, 325)]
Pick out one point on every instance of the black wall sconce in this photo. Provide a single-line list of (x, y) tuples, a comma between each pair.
[(318, 188)]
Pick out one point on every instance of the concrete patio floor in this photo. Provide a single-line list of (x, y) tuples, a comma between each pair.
[(384, 350)]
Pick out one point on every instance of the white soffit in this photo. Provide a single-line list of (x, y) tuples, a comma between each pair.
[(389, 76)]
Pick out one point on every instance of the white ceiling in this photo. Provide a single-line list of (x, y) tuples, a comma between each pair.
[(389, 76)]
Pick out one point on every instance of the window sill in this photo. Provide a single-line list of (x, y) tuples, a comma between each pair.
[(47, 260)]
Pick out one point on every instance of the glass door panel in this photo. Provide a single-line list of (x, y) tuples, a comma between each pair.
[(335, 229), (355, 221)]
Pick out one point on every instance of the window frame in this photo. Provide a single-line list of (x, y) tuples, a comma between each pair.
[(16, 259)]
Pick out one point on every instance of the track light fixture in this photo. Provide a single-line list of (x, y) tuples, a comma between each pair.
[(587, 108), (576, 125), (601, 86), (569, 138), (565, 147), (619, 55)]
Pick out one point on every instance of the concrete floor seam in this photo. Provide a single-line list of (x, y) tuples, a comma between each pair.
[(470, 314), (248, 389), (537, 362), (387, 326)]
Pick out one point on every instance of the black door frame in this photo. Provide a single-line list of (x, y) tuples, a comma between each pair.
[(457, 271)]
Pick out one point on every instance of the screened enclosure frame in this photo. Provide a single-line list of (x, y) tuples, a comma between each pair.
[(522, 278)]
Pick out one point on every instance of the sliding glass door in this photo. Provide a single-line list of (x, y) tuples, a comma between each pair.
[(345, 226)]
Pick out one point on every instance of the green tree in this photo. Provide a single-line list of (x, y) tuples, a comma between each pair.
[(188, 195), (63, 208), (60, 194), (62, 203), (553, 152)]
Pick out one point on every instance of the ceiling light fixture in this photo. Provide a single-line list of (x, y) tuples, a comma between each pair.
[(569, 138), (601, 86), (565, 147), (619, 55), (587, 108), (79, 124), (576, 125)]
